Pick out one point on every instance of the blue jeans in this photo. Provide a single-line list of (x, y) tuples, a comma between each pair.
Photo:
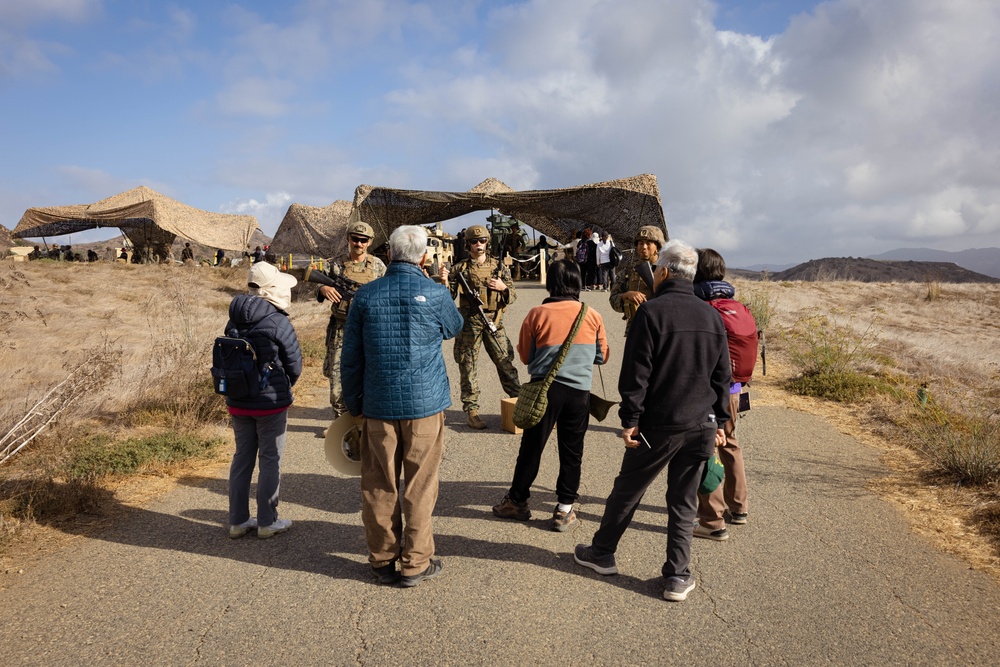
[(256, 438)]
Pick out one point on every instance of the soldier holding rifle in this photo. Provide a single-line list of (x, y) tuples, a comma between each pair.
[(358, 266), (635, 282), (484, 288)]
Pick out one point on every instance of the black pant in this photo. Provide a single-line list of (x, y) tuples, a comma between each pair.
[(569, 408), (684, 455)]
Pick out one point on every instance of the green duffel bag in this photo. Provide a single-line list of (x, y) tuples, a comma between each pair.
[(714, 473)]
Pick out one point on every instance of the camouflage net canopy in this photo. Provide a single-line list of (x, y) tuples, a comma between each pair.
[(312, 230), (145, 217), (619, 207)]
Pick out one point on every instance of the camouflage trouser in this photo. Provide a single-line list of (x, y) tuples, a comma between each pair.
[(331, 365), (467, 353)]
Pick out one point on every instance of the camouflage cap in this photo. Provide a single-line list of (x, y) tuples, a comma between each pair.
[(361, 229), (651, 233), (477, 232)]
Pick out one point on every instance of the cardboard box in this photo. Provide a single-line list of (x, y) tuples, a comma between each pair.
[(507, 416)]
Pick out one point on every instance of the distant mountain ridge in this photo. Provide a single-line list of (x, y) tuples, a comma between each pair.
[(980, 260), (868, 270)]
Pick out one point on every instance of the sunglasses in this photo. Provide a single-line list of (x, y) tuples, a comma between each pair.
[(482, 241), (359, 239)]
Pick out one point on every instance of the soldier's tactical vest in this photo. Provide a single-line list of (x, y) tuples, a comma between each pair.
[(635, 284), (479, 276), (359, 272)]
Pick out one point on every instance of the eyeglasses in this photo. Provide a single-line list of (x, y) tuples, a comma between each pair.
[(359, 239), (480, 241)]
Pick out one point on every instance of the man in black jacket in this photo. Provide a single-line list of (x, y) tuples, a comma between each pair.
[(674, 386)]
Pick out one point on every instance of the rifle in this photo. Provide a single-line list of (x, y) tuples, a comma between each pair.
[(347, 287), (477, 302)]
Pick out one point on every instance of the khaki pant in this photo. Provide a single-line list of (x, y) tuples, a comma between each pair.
[(732, 493), (410, 449)]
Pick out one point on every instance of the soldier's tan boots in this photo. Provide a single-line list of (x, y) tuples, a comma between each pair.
[(475, 421)]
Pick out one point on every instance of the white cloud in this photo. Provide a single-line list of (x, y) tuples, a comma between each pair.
[(272, 208)]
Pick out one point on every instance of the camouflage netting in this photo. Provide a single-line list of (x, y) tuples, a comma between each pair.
[(312, 230), (6, 240), (145, 217), (619, 207)]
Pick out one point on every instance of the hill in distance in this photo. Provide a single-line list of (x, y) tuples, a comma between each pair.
[(867, 270), (980, 260)]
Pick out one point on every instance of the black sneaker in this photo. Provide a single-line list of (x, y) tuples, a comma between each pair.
[(387, 575), (677, 588), (738, 518), (585, 556), (433, 570)]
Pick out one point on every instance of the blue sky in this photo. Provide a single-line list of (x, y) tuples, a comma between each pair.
[(779, 131)]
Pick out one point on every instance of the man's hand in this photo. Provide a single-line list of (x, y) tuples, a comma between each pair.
[(635, 297), (720, 437), (627, 436), (443, 272), (330, 293), (497, 284)]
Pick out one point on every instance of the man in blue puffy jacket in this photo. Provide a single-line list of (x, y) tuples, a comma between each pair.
[(394, 376)]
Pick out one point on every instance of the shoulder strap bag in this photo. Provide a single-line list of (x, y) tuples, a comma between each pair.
[(533, 399)]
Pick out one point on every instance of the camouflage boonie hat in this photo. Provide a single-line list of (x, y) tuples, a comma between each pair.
[(651, 233), (361, 229), (477, 232)]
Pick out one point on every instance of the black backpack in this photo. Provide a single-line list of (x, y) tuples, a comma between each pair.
[(235, 370)]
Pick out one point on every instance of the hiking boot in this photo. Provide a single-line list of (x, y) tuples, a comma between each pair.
[(585, 556), (433, 570), (561, 521), (709, 534), (387, 575), (474, 421), (236, 532), (509, 509), (677, 588), (279, 526), (738, 518)]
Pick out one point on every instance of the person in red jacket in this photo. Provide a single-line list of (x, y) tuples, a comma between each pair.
[(709, 285)]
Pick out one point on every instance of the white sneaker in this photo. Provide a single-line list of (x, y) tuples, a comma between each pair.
[(236, 532), (279, 526)]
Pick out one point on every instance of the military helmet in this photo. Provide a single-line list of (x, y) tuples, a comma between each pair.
[(651, 233), (361, 229), (477, 232)]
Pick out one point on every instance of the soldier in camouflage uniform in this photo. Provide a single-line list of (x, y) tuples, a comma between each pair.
[(635, 281), (496, 289), (362, 268)]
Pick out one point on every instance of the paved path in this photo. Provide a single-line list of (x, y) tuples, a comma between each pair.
[(824, 573)]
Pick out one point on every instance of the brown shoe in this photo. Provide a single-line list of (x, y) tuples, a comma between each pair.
[(561, 521), (508, 509), (474, 421)]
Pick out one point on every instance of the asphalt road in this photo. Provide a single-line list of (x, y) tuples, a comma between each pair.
[(824, 573)]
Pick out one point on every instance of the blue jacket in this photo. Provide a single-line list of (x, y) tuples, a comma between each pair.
[(391, 365), (275, 342)]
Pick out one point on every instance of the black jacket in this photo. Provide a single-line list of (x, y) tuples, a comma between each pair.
[(675, 367), (275, 342)]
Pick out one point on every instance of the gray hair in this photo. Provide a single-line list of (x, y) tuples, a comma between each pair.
[(679, 258), (408, 244)]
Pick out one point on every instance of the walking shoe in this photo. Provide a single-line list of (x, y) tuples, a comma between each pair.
[(433, 570), (585, 556), (709, 534), (561, 521), (738, 518), (508, 509), (279, 526), (387, 574), (677, 588), (241, 530), (474, 421)]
